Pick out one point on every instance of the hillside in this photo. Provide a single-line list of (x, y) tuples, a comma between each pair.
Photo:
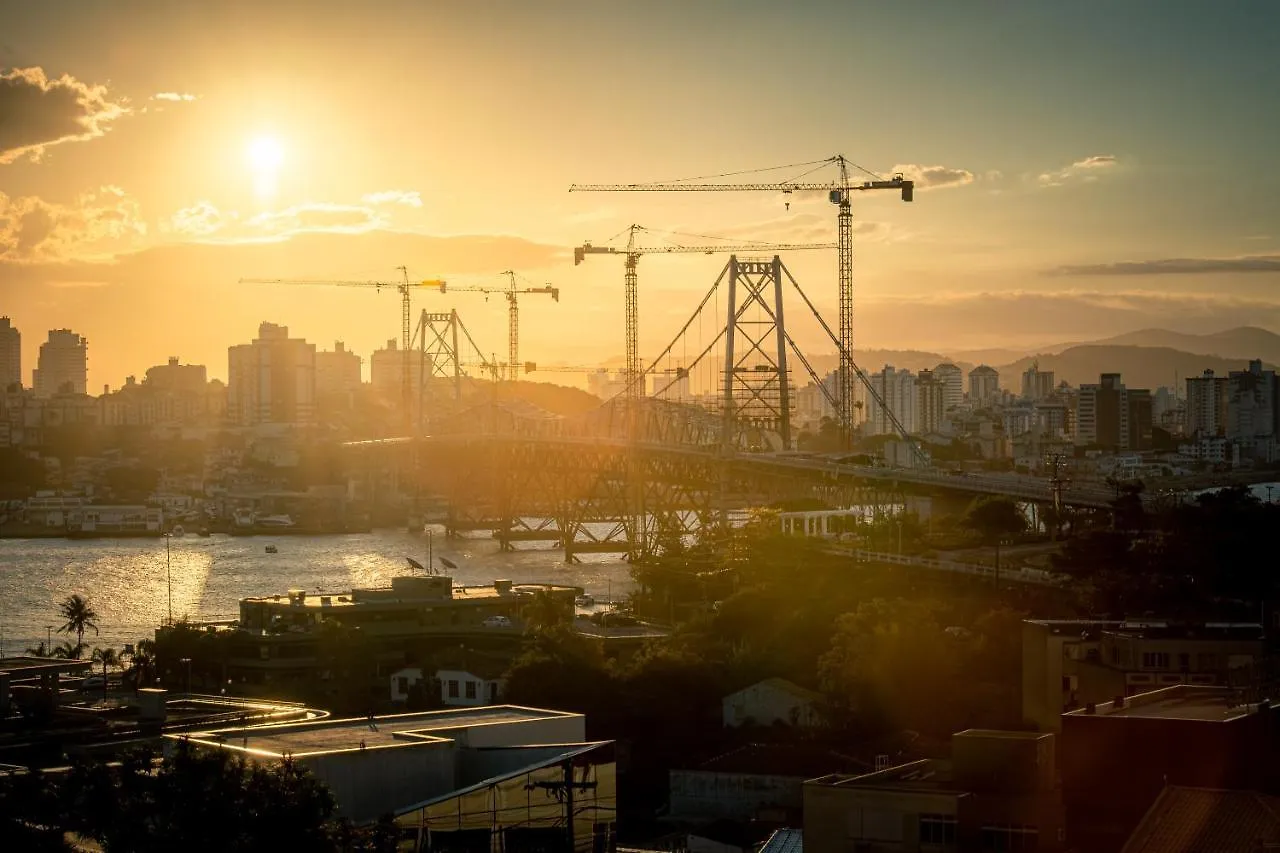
[(1139, 367), (1243, 342)]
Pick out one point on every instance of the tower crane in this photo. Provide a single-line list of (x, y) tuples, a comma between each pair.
[(631, 284), (512, 292), (839, 193), (404, 286)]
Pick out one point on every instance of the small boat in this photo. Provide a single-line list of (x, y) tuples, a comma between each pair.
[(274, 521), (204, 531), (177, 532), (272, 549), (585, 601)]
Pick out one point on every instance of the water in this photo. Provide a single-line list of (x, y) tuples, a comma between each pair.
[(125, 579)]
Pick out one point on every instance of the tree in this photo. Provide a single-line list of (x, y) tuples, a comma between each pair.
[(79, 616), (67, 649), (994, 518), (107, 657)]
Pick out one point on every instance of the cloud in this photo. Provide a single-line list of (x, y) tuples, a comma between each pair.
[(1176, 266), (316, 217), (38, 112), (94, 224), (934, 177), (201, 219), (173, 96), (406, 197), (1086, 170)]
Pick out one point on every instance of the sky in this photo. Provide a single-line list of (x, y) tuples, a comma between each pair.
[(1084, 169)]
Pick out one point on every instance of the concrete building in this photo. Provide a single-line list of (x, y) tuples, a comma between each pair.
[(774, 700), (1113, 417), (758, 781), (1186, 819), (10, 354), (386, 370), (1118, 756), (931, 402), (1070, 663), (337, 372), (897, 388), (606, 385), (1051, 418), (1251, 409), (175, 377), (671, 386), (984, 385), (456, 779), (63, 365), (272, 379), (1207, 405), (1037, 384), (997, 792), (952, 379)]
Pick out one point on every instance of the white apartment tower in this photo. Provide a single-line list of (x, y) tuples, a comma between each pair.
[(337, 372), (10, 354), (897, 388), (1207, 405), (272, 379), (63, 364), (952, 379), (1036, 383), (931, 402), (984, 385)]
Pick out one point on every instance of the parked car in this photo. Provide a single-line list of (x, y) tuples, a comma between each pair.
[(93, 682), (497, 622)]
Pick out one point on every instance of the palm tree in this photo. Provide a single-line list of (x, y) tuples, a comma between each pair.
[(39, 651), (80, 616), (68, 649), (107, 657), (141, 662)]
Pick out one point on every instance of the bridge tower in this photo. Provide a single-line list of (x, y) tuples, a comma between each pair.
[(757, 389)]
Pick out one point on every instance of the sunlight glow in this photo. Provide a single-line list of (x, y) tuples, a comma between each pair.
[(265, 155)]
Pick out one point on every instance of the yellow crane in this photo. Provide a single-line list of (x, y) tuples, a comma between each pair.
[(404, 287), (839, 192), (512, 292), (631, 283)]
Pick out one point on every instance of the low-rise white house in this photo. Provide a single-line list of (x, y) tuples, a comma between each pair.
[(469, 686), (774, 700)]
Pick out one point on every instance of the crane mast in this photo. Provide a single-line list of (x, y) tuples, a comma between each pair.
[(839, 193), (634, 369), (512, 292)]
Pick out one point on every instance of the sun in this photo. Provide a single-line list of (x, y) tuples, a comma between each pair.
[(265, 155)]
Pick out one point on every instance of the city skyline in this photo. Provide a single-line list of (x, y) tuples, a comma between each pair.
[(1086, 202)]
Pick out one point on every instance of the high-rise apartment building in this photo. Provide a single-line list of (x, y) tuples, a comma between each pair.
[(1113, 417), (1251, 404), (386, 370), (897, 388), (1207, 405), (179, 378), (63, 364), (10, 354), (984, 385), (1036, 383), (272, 379), (337, 371), (931, 402), (952, 379)]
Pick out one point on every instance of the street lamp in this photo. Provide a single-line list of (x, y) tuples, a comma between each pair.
[(187, 663)]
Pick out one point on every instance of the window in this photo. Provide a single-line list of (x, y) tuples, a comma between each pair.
[(1184, 661), (1155, 660), (402, 686), (1009, 839), (937, 829), (453, 688), (471, 690)]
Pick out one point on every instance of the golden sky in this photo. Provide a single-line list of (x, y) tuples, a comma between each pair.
[(1087, 168)]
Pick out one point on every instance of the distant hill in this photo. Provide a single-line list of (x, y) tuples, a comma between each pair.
[(1243, 342), (995, 355), (559, 399), (1139, 367)]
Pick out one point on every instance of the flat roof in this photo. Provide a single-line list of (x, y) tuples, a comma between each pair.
[(1178, 702), (323, 736), (29, 665), (926, 774), (385, 599)]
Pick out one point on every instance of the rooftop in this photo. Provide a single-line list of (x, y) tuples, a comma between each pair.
[(1192, 820), (785, 841), (27, 666), (1179, 702), (325, 736), (411, 589), (1088, 629), (927, 774), (777, 759)]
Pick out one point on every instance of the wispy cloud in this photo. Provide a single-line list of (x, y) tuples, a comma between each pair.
[(934, 177), (38, 112), (95, 223), (410, 198), (173, 96), (1176, 266), (1086, 171), (201, 219)]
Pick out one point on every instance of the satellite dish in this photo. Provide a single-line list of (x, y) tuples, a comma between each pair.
[(447, 563), (415, 565)]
